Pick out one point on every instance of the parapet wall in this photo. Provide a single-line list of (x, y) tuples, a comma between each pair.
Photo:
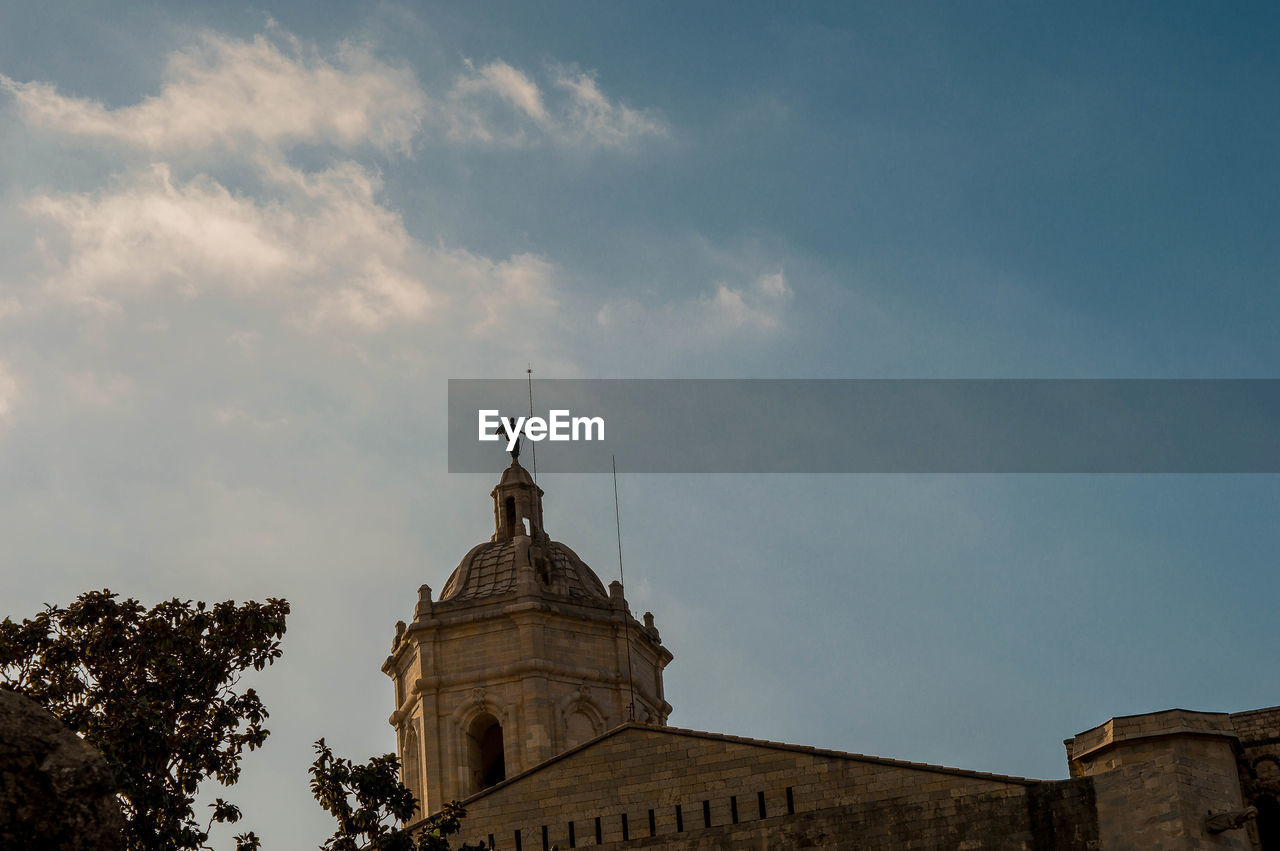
[(649, 787), (1258, 726), (1180, 780), (1049, 816)]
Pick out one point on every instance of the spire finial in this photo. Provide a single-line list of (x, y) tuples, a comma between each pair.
[(533, 450)]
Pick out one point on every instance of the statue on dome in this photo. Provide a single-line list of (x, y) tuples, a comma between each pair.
[(504, 433)]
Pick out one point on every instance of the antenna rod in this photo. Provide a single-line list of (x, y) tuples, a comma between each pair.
[(533, 448), (617, 519)]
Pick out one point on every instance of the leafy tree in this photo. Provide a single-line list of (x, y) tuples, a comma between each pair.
[(155, 690), (370, 803)]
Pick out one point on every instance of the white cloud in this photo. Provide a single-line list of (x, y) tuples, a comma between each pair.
[(513, 291), (225, 92), (757, 307), (590, 117), (153, 231), (499, 104), (318, 246), (100, 390), (8, 392), (504, 83), (246, 342), (324, 251), (235, 415)]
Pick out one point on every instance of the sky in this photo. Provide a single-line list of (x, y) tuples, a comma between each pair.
[(243, 248)]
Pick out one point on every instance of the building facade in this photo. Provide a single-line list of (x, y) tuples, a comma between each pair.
[(530, 693), (524, 656)]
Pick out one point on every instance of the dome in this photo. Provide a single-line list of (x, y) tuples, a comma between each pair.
[(521, 556), (492, 568), (515, 475)]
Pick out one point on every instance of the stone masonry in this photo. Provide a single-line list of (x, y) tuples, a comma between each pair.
[(530, 693), (645, 786), (524, 656)]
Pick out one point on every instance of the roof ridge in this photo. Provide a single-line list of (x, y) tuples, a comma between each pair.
[(684, 731)]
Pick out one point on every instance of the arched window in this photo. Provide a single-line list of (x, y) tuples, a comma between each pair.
[(1268, 823), (411, 768), (488, 760)]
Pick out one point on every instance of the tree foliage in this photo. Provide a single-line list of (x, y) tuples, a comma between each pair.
[(370, 804), (156, 691)]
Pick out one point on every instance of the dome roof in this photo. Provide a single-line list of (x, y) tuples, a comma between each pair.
[(515, 474), (491, 569)]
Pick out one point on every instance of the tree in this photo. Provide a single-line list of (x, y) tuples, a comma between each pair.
[(370, 803), (155, 690)]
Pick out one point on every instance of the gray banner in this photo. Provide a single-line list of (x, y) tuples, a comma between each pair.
[(881, 426)]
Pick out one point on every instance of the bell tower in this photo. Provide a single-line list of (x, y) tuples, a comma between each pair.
[(524, 656)]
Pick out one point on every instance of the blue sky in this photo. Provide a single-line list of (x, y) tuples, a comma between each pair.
[(242, 249)]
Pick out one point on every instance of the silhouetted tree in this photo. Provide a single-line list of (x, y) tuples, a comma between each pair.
[(156, 691), (371, 805)]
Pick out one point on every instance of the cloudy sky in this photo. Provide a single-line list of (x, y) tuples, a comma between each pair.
[(242, 248)]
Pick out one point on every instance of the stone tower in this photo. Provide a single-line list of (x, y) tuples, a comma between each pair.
[(524, 656)]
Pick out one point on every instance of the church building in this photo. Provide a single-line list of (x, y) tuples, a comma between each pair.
[(530, 693)]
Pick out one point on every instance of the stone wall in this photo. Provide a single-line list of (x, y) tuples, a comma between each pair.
[(1158, 776), (1050, 816), (642, 786), (552, 673), (1259, 762), (1257, 725)]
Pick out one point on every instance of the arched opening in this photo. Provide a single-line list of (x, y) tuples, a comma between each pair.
[(1268, 823), (411, 769), (509, 507), (488, 760)]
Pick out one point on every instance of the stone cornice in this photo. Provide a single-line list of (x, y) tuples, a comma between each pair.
[(519, 609), (1131, 728)]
